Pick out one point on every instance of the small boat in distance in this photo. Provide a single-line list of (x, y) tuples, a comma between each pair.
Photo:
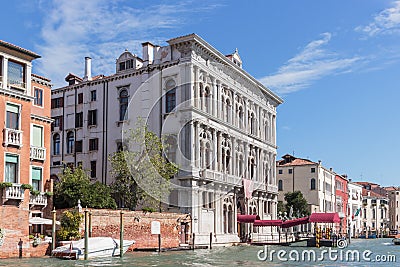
[(396, 240), (98, 247)]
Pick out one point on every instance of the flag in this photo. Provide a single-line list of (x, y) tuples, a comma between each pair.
[(358, 212), (248, 188)]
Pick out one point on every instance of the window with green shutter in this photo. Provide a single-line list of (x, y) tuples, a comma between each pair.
[(11, 168), (37, 136), (36, 178)]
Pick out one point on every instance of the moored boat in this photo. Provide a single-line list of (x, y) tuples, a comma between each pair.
[(396, 240), (98, 247)]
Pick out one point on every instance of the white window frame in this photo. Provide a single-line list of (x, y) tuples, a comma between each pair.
[(33, 102), (19, 166), (19, 113), (30, 175), (41, 126)]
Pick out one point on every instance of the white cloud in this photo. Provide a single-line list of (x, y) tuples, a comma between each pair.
[(311, 64), (386, 22), (101, 29)]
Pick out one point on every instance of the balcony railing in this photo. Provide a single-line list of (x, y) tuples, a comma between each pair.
[(12, 137), (14, 192), (40, 199), (272, 188), (16, 84), (38, 153)]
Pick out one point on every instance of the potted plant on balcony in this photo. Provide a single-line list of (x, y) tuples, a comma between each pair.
[(27, 186), (35, 192), (6, 184)]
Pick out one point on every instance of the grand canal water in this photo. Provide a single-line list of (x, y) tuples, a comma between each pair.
[(230, 256)]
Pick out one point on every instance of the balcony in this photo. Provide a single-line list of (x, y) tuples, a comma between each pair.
[(16, 84), (272, 188), (40, 200), (13, 192), (38, 153), (12, 137)]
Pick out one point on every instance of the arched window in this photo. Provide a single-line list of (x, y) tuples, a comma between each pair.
[(280, 185), (373, 214), (312, 186), (56, 144), (70, 142), (170, 96), (123, 104), (225, 219)]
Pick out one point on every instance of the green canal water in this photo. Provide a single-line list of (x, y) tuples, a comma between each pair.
[(235, 256)]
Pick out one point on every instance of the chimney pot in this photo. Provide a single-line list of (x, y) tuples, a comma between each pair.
[(88, 69)]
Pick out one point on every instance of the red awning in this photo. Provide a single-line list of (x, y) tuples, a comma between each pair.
[(267, 223), (247, 218), (330, 217), (294, 222)]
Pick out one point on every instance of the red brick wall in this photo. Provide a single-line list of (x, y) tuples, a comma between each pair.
[(107, 222), (15, 222)]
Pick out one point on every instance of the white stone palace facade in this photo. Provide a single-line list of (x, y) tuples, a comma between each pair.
[(220, 122)]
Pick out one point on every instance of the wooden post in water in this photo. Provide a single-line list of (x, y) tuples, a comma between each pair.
[(90, 224), (53, 231), (210, 240), (86, 235), (121, 234), (159, 243), (194, 237)]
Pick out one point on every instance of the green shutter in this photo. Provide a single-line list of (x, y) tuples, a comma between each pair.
[(12, 158), (36, 174), (37, 136), (12, 108)]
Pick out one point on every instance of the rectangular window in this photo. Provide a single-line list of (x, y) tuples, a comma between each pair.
[(93, 95), (16, 74), (290, 171), (56, 163), (57, 102), (79, 119), (312, 170), (93, 144), (92, 117), (122, 66), (57, 122), (11, 170), (80, 98), (12, 116), (280, 171), (37, 136), (36, 178), (93, 169), (78, 146), (38, 95)]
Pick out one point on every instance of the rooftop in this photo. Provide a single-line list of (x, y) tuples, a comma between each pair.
[(19, 49)]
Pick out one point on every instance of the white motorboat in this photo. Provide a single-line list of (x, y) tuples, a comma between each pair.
[(98, 247)]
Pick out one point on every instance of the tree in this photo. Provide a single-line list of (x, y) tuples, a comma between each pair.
[(141, 172), (75, 184), (296, 201)]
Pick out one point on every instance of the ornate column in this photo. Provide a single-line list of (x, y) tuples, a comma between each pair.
[(215, 148), (246, 114), (233, 157), (219, 155), (246, 159), (213, 96), (218, 98), (196, 140), (4, 67), (196, 86)]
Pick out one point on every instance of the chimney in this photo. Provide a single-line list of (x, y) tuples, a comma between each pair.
[(88, 69), (148, 53)]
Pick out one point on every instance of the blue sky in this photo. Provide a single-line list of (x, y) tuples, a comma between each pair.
[(335, 63)]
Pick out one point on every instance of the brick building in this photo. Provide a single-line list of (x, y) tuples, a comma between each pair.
[(342, 197), (24, 158)]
